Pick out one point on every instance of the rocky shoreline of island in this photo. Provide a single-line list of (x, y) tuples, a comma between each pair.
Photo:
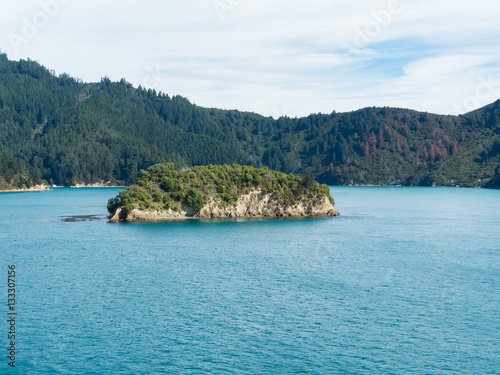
[(255, 204)]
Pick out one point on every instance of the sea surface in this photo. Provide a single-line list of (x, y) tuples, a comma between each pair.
[(406, 281)]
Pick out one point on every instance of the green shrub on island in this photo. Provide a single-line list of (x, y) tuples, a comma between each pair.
[(161, 187)]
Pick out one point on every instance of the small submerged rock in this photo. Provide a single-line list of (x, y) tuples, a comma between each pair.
[(80, 218)]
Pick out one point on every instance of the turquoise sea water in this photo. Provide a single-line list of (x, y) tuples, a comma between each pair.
[(406, 281)]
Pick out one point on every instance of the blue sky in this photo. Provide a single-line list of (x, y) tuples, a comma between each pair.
[(274, 57)]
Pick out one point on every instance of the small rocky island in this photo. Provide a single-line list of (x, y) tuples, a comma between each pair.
[(162, 193)]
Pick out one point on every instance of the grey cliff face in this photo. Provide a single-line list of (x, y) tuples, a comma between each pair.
[(253, 204)]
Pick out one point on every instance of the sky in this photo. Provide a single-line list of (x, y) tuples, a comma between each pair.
[(273, 57)]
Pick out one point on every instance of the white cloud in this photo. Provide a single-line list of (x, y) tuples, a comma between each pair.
[(303, 55)]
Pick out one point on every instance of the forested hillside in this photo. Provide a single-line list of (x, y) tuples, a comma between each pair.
[(65, 132)]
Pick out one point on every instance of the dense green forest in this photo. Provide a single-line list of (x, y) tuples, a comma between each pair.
[(494, 183), (63, 131), (161, 187)]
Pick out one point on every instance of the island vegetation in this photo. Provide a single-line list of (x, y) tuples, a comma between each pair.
[(161, 192)]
